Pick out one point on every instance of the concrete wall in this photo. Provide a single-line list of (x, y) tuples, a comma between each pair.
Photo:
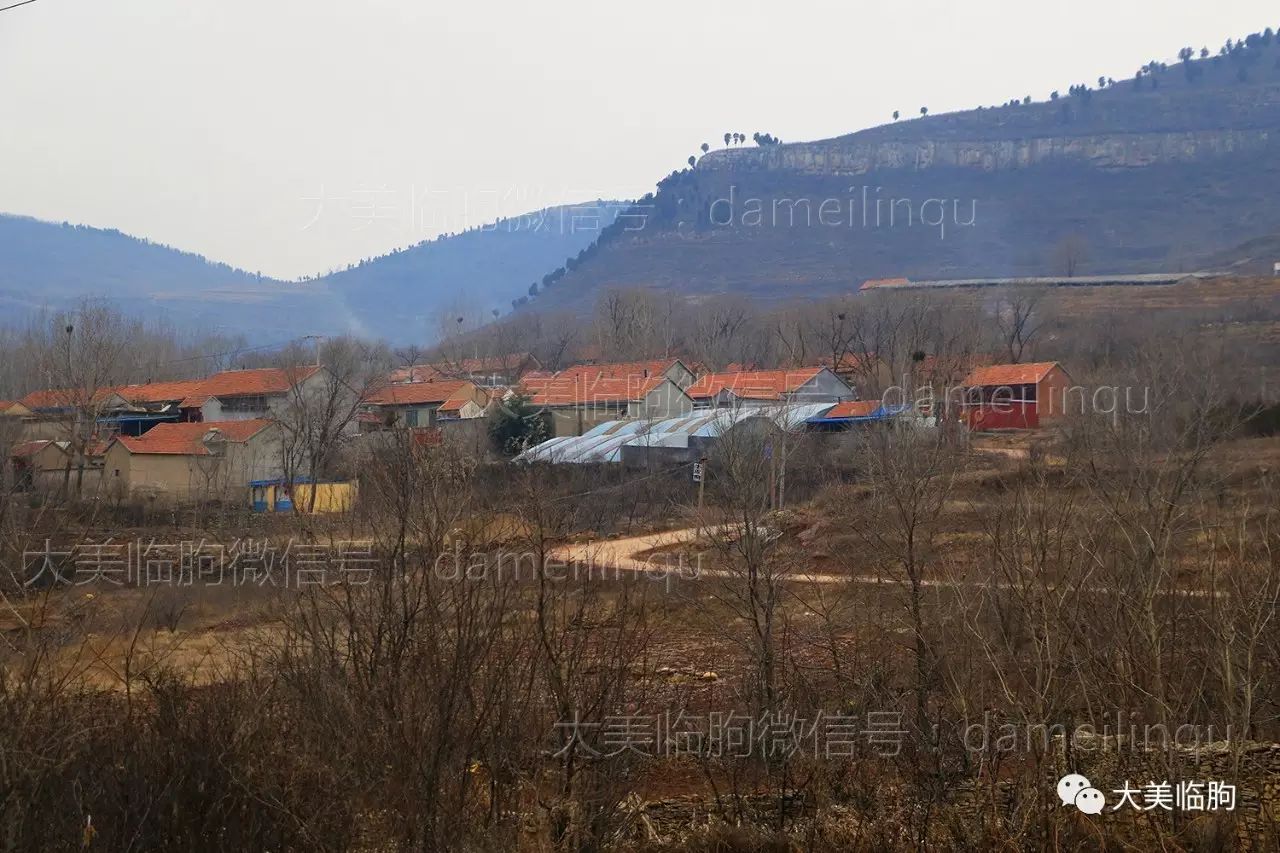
[(1052, 399), (681, 375), (575, 420), (665, 401), (216, 410), (826, 387), (39, 428), (48, 469)]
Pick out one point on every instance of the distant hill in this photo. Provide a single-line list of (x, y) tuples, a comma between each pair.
[(44, 261), (404, 294), (1174, 169), (397, 296)]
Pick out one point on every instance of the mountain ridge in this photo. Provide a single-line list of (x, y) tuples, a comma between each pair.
[(51, 265), (1168, 171)]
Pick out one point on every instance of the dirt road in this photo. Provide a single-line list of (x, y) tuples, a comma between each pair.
[(614, 556)]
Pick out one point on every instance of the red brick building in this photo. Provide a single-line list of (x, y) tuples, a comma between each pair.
[(1015, 396)]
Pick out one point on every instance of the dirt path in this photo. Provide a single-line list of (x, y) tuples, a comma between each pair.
[(614, 556)]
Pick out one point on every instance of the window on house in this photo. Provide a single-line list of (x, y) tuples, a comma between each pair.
[(411, 417), (249, 403)]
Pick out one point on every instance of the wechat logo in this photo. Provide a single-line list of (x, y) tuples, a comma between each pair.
[(1074, 789)]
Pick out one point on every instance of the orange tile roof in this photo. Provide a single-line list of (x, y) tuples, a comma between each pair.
[(191, 392), (1009, 374), (753, 385), (62, 398), (853, 409), (263, 380), (585, 390), (185, 439), (160, 392), (418, 393)]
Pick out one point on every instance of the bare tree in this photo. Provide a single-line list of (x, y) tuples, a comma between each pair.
[(1071, 252), (719, 330), (910, 474), (82, 359), (744, 548), (323, 403), (1019, 318)]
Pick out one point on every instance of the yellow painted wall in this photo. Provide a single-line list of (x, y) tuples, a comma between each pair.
[(330, 497)]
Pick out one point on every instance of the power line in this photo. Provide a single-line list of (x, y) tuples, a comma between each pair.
[(15, 5)]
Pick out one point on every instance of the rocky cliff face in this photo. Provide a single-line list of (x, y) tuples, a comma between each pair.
[(1171, 171), (1104, 151), (1120, 127)]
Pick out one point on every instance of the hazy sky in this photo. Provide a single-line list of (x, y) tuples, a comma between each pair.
[(291, 136)]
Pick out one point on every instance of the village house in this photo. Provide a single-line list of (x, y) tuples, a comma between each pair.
[(187, 461), (46, 465), (52, 414), (577, 403), (264, 392), (132, 410), (770, 387), (668, 368), (422, 404), (61, 421), (38, 465), (1014, 396), (160, 402), (11, 423)]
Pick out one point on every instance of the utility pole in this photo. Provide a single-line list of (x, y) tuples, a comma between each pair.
[(773, 476), (75, 418), (782, 472), (700, 474)]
